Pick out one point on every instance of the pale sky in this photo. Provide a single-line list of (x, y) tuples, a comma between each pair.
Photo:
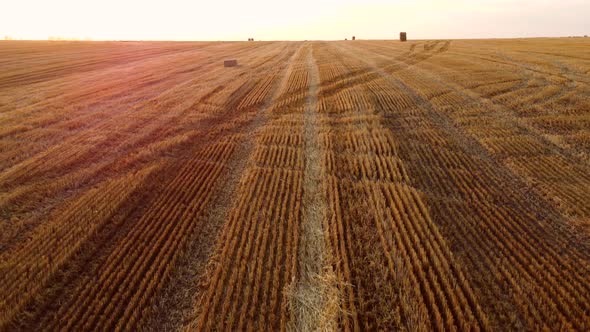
[(293, 19)]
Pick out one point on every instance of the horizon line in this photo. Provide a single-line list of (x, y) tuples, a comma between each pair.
[(63, 39)]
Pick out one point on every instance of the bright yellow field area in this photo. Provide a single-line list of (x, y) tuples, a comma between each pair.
[(345, 185)]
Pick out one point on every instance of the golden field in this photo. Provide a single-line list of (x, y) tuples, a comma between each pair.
[(342, 185)]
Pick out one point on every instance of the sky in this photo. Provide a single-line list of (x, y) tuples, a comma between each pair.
[(292, 19)]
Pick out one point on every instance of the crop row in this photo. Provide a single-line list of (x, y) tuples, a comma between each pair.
[(547, 117), (256, 255), (28, 267), (395, 268), (503, 242), (115, 138), (136, 269)]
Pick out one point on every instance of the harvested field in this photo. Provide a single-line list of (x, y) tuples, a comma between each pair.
[(374, 185)]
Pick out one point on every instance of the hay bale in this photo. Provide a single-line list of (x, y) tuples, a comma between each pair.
[(403, 36), (230, 63)]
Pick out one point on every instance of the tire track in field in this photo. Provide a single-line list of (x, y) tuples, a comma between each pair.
[(533, 276), (468, 142), (178, 303), (227, 211), (216, 128), (568, 200), (314, 301)]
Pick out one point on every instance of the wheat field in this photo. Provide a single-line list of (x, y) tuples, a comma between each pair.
[(352, 186)]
